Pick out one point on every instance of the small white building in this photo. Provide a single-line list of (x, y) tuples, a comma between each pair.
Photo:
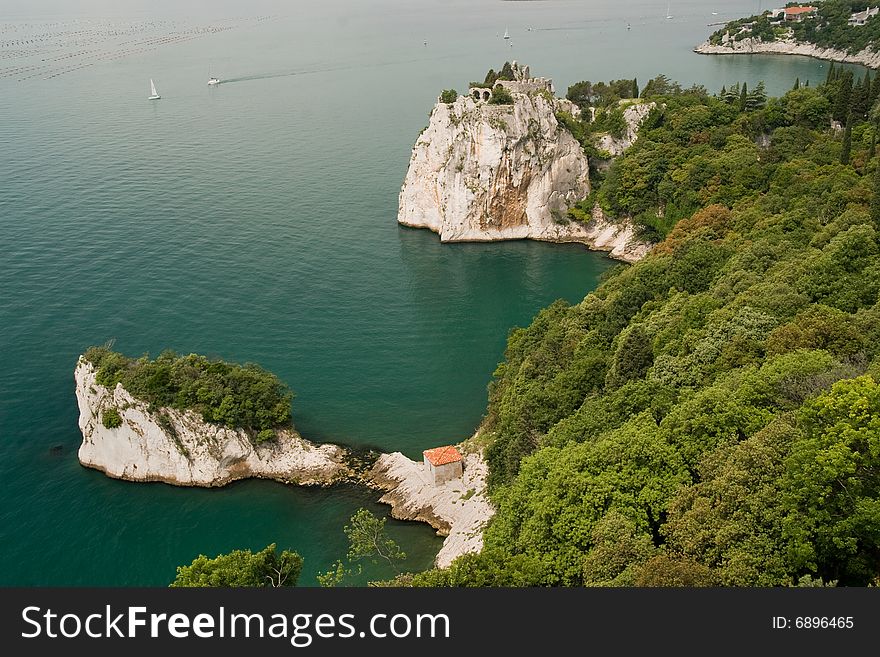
[(443, 464), (862, 17)]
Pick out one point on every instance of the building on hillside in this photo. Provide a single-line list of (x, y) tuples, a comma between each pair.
[(797, 14), (862, 17), (443, 464)]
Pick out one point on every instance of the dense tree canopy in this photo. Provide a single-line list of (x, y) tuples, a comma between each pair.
[(711, 414), (695, 150)]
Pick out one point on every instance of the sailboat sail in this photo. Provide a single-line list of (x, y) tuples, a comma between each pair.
[(506, 33), (153, 88)]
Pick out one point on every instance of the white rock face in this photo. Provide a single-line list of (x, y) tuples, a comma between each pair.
[(788, 46), (458, 509), (618, 238), (483, 172), (634, 114), (200, 454)]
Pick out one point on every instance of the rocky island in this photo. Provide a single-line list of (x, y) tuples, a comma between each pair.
[(499, 163), (131, 437)]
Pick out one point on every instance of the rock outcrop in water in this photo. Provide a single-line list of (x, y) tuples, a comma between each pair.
[(482, 172), (178, 447), (788, 46)]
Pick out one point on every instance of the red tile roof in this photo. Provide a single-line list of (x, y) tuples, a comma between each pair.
[(794, 11), (442, 455)]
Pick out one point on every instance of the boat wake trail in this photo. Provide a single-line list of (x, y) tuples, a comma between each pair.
[(282, 74), (328, 69)]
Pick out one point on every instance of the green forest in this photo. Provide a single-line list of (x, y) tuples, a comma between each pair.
[(239, 396), (829, 28), (711, 414)]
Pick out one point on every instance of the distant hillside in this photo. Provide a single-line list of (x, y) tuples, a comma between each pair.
[(831, 26)]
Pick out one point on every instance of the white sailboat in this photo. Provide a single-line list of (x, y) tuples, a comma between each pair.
[(154, 95), (506, 33), (669, 11)]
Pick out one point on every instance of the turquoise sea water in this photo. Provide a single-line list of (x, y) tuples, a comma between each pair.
[(255, 221)]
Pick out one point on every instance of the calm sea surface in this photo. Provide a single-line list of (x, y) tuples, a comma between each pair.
[(255, 221)]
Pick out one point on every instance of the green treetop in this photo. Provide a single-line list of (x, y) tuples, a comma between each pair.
[(242, 568)]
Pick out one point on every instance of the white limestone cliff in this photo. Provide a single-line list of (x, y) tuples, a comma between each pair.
[(634, 113), (458, 509), (787, 46), (178, 447), (481, 172)]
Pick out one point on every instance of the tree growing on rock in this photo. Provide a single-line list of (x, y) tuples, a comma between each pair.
[(368, 540)]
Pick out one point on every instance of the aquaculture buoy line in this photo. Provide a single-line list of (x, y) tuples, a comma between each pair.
[(52, 49)]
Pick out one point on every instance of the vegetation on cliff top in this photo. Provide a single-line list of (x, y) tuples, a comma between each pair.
[(710, 415), (828, 29), (695, 149), (240, 396)]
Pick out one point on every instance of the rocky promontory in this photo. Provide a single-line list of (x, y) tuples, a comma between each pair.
[(458, 509), (485, 171), (179, 447)]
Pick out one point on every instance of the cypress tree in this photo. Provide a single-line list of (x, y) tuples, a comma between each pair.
[(758, 98), (873, 151), (743, 97), (858, 101), (831, 74), (847, 142), (723, 94), (797, 83), (635, 89), (844, 97), (875, 89), (807, 84), (861, 98), (875, 202), (732, 95)]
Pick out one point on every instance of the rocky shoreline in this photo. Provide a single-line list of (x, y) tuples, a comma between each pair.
[(458, 509), (180, 448), (751, 46)]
